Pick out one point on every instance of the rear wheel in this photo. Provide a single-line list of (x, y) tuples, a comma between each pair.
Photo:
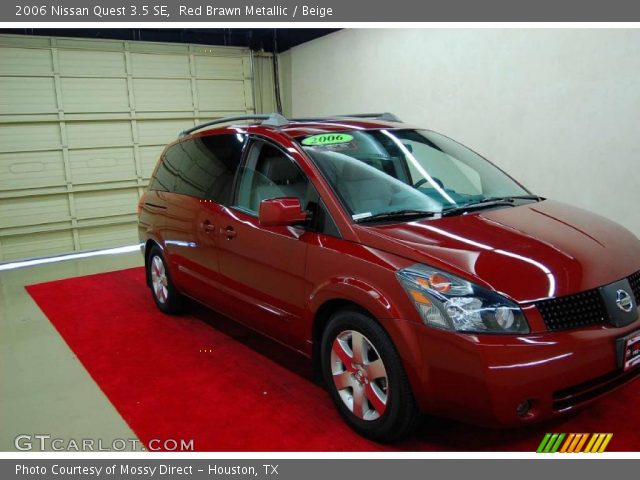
[(164, 293), (365, 377)]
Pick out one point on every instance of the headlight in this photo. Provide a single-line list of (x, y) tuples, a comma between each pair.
[(446, 301)]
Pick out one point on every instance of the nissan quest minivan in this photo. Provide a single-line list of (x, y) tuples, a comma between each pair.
[(417, 276)]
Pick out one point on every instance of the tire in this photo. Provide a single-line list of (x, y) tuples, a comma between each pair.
[(378, 383), (164, 293)]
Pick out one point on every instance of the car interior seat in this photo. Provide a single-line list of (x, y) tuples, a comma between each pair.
[(276, 176), (364, 188)]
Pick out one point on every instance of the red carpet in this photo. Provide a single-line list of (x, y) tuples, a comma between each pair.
[(248, 393)]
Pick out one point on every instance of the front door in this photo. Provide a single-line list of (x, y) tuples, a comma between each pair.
[(263, 268)]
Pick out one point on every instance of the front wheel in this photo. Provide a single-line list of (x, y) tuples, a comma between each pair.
[(365, 377)]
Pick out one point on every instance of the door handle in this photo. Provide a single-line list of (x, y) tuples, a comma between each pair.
[(208, 227), (228, 232)]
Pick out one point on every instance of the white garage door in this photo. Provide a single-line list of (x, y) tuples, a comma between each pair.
[(82, 123)]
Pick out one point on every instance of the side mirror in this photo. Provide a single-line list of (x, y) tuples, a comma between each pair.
[(283, 211)]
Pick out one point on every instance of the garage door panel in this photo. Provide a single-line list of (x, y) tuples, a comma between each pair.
[(78, 63), (82, 125), (31, 170), (148, 47), (206, 116), (153, 65), (108, 236), (27, 95), (106, 203), (99, 134), (25, 61), (219, 67), (38, 210), (95, 46), (95, 95), (161, 95), (221, 95), (148, 159), (161, 132), (25, 136), (17, 247), (102, 165)]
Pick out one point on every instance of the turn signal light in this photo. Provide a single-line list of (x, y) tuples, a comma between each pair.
[(438, 282), (420, 297)]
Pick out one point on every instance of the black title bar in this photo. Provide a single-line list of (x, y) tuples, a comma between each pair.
[(225, 11)]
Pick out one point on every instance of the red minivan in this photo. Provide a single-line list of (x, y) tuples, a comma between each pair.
[(415, 274)]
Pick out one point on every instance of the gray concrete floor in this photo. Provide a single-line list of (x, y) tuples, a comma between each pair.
[(44, 389)]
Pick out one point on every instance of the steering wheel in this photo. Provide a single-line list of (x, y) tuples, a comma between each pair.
[(422, 181)]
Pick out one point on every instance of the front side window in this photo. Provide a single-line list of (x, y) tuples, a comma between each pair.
[(378, 171), (269, 173)]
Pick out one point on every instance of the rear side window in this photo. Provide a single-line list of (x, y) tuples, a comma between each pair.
[(164, 179), (201, 167)]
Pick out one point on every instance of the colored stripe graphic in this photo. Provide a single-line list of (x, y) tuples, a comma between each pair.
[(550, 443), (604, 445), (574, 443), (567, 442), (581, 443), (591, 442), (578, 437), (599, 440), (555, 447), (543, 443)]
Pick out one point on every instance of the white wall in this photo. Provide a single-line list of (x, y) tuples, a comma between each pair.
[(557, 109)]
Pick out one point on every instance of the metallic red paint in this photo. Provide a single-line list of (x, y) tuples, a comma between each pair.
[(276, 278), (557, 248), (281, 212)]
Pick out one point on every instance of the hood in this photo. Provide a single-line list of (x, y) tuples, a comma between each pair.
[(529, 252)]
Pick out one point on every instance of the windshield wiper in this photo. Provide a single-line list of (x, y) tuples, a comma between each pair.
[(397, 214), (489, 203), (513, 198)]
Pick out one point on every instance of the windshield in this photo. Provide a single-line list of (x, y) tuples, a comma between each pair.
[(383, 171)]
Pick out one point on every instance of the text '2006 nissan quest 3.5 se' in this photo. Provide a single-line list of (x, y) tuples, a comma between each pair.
[(416, 275)]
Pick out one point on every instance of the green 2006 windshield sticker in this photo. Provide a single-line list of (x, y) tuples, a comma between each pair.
[(327, 139)]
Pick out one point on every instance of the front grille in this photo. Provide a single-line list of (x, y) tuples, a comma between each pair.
[(634, 280), (573, 311), (584, 392), (580, 310)]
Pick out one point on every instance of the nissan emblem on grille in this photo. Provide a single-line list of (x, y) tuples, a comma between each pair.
[(624, 301)]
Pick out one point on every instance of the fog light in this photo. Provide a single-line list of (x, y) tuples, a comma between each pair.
[(523, 408)]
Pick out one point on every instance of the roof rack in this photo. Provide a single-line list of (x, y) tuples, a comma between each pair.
[(271, 119), (277, 120), (385, 117)]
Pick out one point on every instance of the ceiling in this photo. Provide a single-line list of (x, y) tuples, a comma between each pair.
[(268, 39)]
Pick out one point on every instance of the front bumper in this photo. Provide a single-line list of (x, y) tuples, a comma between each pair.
[(483, 379)]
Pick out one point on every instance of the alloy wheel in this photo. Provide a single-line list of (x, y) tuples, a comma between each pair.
[(159, 279), (359, 375)]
